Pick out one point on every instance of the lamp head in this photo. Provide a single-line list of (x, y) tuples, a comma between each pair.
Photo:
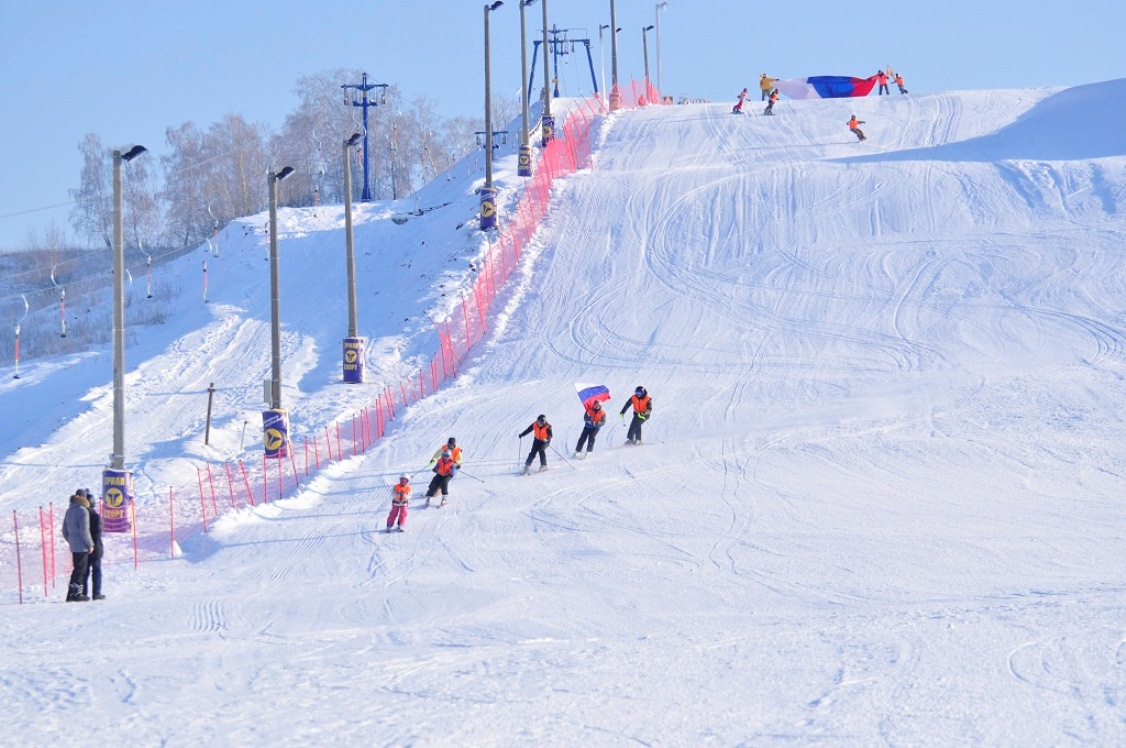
[(283, 173), (133, 152), (352, 141)]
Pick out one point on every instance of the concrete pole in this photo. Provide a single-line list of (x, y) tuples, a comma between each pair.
[(349, 241), (275, 298), (117, 459)]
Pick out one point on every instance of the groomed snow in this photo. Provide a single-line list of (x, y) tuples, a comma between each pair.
[(879, 502)]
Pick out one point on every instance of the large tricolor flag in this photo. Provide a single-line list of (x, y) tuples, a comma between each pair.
[(825, 87), (592, 393)]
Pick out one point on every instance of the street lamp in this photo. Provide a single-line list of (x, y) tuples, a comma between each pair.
[(488, 192), (602, 60), (117, 482), (657, 13), (524, 163), (645, 51), (547, 122), (275, 421), (353, 345), (615, 92)]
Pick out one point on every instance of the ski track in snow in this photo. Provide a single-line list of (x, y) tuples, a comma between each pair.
[(878, 503)]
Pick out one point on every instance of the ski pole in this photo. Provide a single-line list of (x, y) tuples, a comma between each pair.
[(471, 475), (519, 451), (556, 451)]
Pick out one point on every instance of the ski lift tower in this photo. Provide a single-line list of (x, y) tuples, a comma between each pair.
[(561, 45), (359, 97)]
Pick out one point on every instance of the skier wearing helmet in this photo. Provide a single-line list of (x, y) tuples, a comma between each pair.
[(541, 432), (444, 471), (455, 452), (400, 501), (593, 420), (642, 411)]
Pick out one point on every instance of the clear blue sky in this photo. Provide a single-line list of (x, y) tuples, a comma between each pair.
[(129, 69)]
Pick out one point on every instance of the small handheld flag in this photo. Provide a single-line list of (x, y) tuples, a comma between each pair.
[(592, 393)]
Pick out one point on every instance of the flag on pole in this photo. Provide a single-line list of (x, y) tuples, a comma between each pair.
[(592, 393)]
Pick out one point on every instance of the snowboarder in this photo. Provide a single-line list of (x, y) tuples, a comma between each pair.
[(455, 452), (94, 573), (882, 79), (541, 437), (444, 470), (642, 411), (400, 502), (76, 532), (854, 125), (593, 419), (770, 104), (765, 85), (899, 82), (738, 108)]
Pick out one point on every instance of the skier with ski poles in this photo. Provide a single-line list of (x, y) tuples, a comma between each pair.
[(541, 437), (400, 502), (444, 470), (642, 410)]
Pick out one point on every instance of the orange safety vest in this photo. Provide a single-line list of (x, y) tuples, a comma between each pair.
[(541, 432), (774, 96), (853, 123), (898, 79), (883, 78), (445, 466), (455, 453), (402, 494), (641, 404)]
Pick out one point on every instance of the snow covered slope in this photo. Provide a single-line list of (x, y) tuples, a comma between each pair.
[(879, 502)]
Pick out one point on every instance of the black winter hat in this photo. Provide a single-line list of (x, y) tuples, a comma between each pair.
[(81, 492)]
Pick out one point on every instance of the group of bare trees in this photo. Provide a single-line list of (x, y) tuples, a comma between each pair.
[(207, 176)]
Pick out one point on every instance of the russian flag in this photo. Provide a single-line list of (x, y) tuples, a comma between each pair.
[(825, 87), (592, 393)]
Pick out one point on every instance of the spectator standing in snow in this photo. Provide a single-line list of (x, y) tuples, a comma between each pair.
[(882, 79), (400, 501), (541, 437), (899, 82), (642, 410), (593, 420), (738, 108), (444, 470), (770, 104), (765, 85), (76, 531), (95, 566), (854, 125)]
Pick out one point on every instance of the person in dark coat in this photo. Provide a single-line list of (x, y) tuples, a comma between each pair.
[(76, 531), (95, 568), (593, 420), (541, 433)]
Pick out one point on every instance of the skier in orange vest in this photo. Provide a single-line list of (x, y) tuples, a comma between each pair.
[(642, 411), (770, 104), (882, 79), (899, 82), (541, 433), (400, 501), (854, 125), (444, 471)]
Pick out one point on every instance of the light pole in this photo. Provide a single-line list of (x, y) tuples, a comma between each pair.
[(657, 13), (645, 51), (117, 482), (615, 93), (524, 164), (353, 345), (488, 192), (547, 121), (275, 425), (602, 60)]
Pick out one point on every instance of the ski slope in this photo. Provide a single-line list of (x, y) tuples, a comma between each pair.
[(879, 502)]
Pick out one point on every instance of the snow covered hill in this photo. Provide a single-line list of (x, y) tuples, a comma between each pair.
[(879, 502)]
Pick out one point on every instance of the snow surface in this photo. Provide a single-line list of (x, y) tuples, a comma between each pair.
[(879, 503)]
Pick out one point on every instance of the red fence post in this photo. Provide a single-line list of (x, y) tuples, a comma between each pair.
[(43, 546)]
